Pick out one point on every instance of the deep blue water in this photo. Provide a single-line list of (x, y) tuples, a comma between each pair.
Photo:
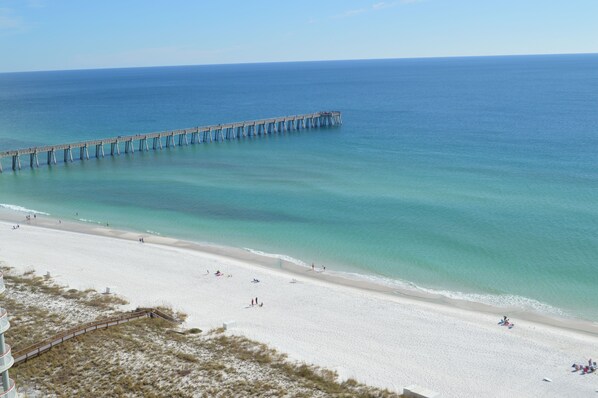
[(470, 175)]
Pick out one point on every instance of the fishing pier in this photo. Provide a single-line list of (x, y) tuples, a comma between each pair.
[(169, 139)]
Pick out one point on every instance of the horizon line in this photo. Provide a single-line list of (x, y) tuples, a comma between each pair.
[(295, 62)]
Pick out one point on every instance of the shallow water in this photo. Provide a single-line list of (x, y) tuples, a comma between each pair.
[(469, 175)]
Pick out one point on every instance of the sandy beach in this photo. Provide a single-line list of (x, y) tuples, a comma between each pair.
[(371, 334)]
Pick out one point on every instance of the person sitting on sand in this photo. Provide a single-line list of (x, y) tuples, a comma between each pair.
[(262, 304), (218, 273), (255, 280)]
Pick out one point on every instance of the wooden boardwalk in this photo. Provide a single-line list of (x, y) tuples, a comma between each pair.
[(168, 139), (39, 348)]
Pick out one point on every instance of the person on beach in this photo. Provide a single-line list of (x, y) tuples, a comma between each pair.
[(256, 301), (252, 302), (313, 268)]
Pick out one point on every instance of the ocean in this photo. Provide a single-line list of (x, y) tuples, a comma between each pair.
[(475, 178)]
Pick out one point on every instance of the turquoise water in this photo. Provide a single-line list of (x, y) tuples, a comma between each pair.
[(469, 175)]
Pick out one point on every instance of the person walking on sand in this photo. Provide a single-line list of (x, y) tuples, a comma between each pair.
[(313, 268), (256, 301), (252, 302)]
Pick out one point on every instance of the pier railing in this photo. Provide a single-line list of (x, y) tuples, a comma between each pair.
[(168, 139)]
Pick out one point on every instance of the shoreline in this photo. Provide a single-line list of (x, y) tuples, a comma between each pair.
[(360, 331), (276, 262)]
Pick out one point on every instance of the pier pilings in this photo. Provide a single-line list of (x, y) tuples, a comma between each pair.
[(199, 135)]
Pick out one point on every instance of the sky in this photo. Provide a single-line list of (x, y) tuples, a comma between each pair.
[(83, 34)]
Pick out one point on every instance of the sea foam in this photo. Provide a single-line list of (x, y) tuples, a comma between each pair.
[(278, 256), (90, 221), (22, 209), (509, 301)]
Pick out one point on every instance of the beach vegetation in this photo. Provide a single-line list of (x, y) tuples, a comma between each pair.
[(148, 357)]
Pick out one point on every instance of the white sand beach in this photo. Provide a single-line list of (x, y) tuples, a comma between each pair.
[(376, 337)]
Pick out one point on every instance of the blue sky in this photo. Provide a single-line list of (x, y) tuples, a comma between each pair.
[(75, 34)]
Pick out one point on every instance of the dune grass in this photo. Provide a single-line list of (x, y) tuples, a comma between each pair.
[(149, 357)]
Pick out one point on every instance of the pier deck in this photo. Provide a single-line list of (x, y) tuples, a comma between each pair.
[(194, 135)]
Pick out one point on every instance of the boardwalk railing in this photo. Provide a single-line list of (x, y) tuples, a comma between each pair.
[(39, 348), (194, 135)]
